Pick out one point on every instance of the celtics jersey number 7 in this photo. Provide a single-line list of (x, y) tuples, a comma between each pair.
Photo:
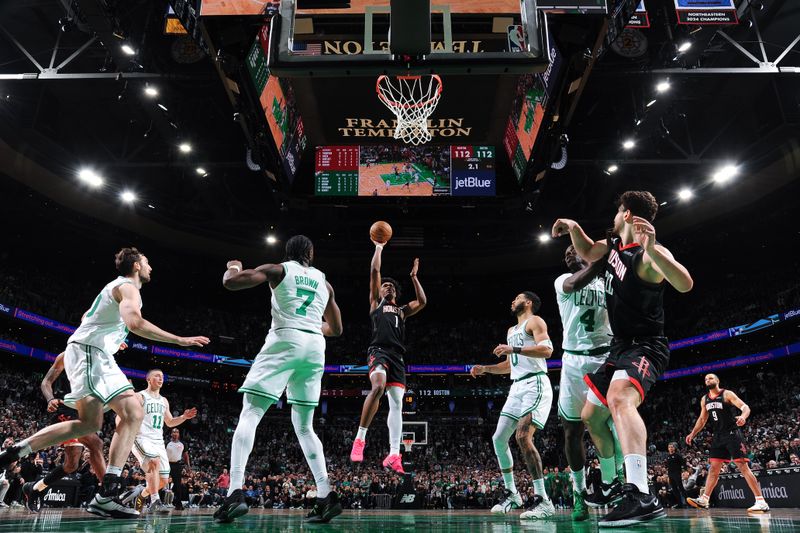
[(300, 299)]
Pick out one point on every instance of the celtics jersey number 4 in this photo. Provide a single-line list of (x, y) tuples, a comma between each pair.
[(583, 315), (522, 365), (300, 299)]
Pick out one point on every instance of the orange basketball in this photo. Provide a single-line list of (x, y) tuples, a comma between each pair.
[(380, 232)]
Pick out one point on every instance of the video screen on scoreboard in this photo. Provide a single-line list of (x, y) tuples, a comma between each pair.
[(392, 170)]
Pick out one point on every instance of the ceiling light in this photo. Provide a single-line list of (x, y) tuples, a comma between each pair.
[(162, 106), (151, 91), (544, 237), (663, 86), (684, 46), (271, 239), (613, 168), (725, 173), (185, 148), (128, 50), (685, 194), (650, 103), (128, 197), (201, 171), (638, 121), (628, 144), (89, 177)]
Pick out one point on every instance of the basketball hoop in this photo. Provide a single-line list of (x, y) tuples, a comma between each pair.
[(407, 443), (412, 99)]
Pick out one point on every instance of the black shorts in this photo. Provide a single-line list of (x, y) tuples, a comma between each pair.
[(644, 359), (730, 447), (392, 362)]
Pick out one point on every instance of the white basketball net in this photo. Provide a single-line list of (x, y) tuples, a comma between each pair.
[(412, 99)]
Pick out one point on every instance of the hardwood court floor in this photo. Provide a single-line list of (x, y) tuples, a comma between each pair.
[(200, 521)]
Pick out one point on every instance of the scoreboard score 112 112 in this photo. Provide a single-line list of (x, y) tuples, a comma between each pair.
[(472, 172)]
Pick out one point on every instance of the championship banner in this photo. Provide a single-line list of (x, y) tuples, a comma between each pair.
[(780, 486), (702, 12), (640, 18)]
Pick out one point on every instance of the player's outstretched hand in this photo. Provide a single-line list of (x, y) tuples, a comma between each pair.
[(477, 370), (415, 267), (193, 341), (740, 420), (645, 232), (190, 413), (562, 226), (689, 438), (503, 349)]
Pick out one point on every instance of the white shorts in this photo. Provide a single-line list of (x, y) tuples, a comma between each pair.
[(533, 395), (291, 360), (572, 389), (146, 450), (92, 372)]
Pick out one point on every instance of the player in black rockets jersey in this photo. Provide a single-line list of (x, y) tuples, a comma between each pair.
[(636, 271), (387, 371), (727, 443)]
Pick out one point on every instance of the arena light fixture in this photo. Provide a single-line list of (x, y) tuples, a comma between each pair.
[(127, 196), (629, 144), (185, 148), (685, 194), (544, 237), (651, 102), (663, 86), (90, 177), (201, 171), (725, 173), (128, 50), (684, 46), (271, 239), (613, 168), (151, 91), (162, 106)]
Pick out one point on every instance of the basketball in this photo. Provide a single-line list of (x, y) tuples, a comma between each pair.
[(380, 232)]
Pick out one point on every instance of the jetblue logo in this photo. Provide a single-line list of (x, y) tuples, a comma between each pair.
[(473, 186), (5, 309)]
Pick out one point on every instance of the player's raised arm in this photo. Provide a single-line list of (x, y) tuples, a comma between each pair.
[(588, 249), (236, 279), (375, 277), (47, 383), (743, 407), (415, 306), (173, 421), (582, 277), (332, 327), (700, 424), (129, 309)]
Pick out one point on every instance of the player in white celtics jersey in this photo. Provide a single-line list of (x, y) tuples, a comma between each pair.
[(526, 350), (586, 342), (292, 359), (149, 448), (96, 382)]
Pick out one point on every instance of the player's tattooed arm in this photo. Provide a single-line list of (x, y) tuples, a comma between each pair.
[(536, 328), (700, 424), (581, 278), (332, 327), (415, 306), (588, 249), (47, 383), (739, 404), (375, 276), (236, 279)]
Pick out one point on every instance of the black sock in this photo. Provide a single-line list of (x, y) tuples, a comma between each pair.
[(111, 486), (56, 474)]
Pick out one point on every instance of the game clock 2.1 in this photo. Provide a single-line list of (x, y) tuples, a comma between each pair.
[(472, 171)]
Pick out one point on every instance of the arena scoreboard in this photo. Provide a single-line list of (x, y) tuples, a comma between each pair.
[(472, 171), (336, 171)]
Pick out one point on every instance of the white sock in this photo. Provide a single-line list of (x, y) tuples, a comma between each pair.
[(253, 409), (302, 420), (538, 488), (636, 471), (362, 433), (24, 448), (608, 469), (505, 428), (155, 497), (578, 480), (395, 418), (114, 470)]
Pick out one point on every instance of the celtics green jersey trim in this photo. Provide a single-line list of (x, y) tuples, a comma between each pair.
[(103, 327), (300, 299), (521, 364), (583, 315), (153, 422)]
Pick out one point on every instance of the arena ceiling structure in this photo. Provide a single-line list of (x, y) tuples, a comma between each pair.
[(99, 86)]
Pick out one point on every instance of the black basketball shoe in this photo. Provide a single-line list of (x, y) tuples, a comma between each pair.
[(607, 495), (8, 456), (233, 507), (325, 509), (33, 498), (634, 508)]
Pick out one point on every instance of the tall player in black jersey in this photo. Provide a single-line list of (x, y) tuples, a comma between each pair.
[(387, 371), (73, 448), (727, 442), (636, 271)]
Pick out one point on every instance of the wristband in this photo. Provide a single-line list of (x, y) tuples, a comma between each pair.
[(546, 342), (516, 349), (237, 267)]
